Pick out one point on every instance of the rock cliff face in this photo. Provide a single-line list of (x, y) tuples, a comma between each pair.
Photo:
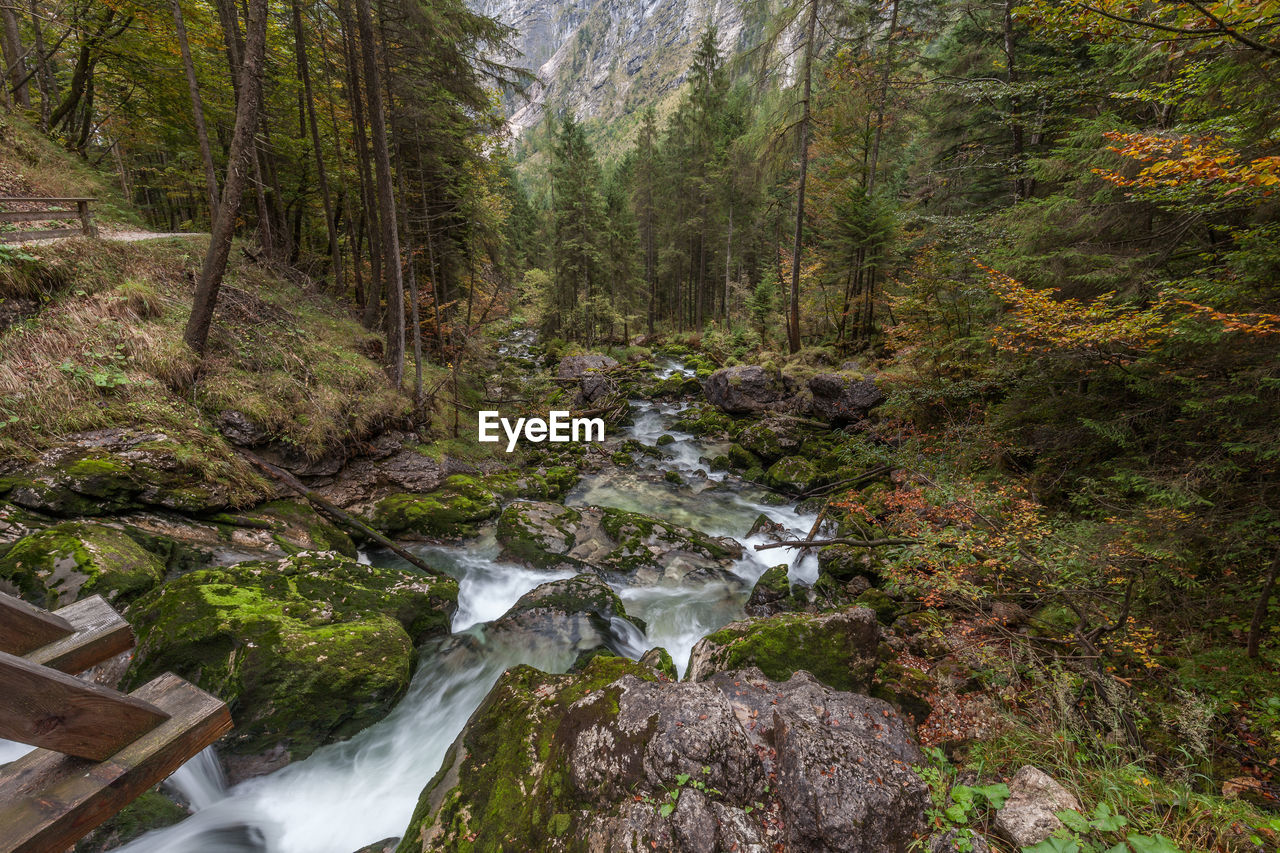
[(608, 59)]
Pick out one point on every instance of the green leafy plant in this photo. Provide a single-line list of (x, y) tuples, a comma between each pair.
[(1100, 833)]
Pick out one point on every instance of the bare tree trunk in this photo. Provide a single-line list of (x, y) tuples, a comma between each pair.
[(215, 260), (44, 77), (13, 55), (197, 111), (802, 132), (322, 177), (883, 100), (393, 281)]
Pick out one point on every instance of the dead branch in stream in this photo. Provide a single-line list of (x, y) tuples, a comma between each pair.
[(336, 513)]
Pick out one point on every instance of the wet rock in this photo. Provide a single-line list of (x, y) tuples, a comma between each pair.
[(74, 560), (386, 845), (793, 474), (745, 389), (636, 548), (771, 594), (617, 760), (659, 660), (573, 366), (767, 527), (1028, 816), (455, 509), (576, 612), (240, 429), (16, 522), (706, 420), (843, 398), (839, 649), (107, 471), (307, 650)]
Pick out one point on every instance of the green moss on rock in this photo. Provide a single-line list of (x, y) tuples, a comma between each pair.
[(793, 474), (305, 651), (502, 785), (839, 649), (152, 810), (74, 560), (455, 509)]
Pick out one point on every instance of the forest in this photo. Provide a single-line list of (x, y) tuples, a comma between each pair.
[(938, 345)]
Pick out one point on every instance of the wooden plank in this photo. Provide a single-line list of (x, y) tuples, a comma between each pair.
[(46, 708), (49, 801), (23, 236), (25, 628), (37, 215), (100, 634)]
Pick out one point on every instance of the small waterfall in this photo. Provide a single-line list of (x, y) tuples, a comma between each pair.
[(350, 794)]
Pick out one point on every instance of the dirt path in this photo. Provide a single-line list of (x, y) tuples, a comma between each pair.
[(115, 236)]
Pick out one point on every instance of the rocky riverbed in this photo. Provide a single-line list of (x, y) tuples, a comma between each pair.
[(603, 661)]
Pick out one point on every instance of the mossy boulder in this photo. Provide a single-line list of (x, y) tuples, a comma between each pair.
[(741, 458), (772, 438), (772, 593), (618, 758), (633, 547), (307, 650), (845, 562), (546, 484), (839, 649), (705, 419), (455, 509), (793, 474), (295, 526), (580, 612), (884, 606), (745, 389), (74, 560), (109, 471)]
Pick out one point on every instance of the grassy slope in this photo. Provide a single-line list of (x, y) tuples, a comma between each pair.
[(101, 340)]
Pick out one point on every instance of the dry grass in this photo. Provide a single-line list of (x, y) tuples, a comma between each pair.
[(107, 350)]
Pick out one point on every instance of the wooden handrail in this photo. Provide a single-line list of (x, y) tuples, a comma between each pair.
[(100, 634), (11, 199), (49, 801), (24, 628), (46, 708)]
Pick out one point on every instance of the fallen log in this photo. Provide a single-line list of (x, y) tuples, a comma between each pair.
[(335, 512)]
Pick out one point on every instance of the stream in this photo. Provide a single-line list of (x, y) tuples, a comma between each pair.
[(363, 790)]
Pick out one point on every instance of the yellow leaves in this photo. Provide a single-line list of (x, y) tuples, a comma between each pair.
[(1038, 323), (1180, 161)]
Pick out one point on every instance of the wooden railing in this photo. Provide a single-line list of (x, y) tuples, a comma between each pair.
[(45, 210), (99, 748)]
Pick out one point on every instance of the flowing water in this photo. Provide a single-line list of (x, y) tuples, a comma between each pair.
[(351, 794)]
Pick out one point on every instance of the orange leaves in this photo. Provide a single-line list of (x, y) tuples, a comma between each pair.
[(1204, 162), (1037, 323)]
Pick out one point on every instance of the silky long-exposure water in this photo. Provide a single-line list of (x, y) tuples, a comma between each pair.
[(363, 790)]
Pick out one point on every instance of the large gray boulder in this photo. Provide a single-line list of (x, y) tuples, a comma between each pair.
[(580, 612), (573, 366), (1029, 815), (843, 398), (619, 759), (745, 389)]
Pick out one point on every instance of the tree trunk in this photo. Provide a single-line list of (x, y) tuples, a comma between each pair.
[(802, 132), (322, 177), (883, 100), (44, 76), (1260, 610), (197, 111), (242, 149), (13, 55), (393, 282)]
